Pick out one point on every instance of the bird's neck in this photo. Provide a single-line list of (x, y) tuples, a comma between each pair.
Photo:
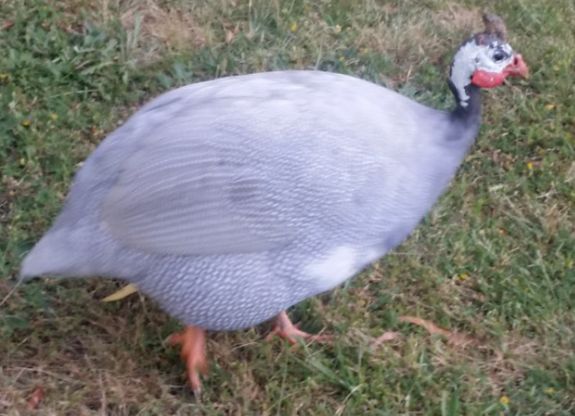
[(467, 112)]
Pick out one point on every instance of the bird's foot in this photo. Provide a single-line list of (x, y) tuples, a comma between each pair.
[(193, 352), (284, 328)]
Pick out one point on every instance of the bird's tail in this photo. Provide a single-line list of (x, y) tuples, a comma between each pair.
[(56, 254)]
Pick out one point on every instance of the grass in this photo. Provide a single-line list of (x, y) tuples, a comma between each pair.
[(494, 261)]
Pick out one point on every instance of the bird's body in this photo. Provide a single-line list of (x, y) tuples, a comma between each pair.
[(303, 177), (230, 200)]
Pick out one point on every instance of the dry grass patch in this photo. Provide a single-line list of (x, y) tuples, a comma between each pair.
[(414, 38), (175, 29)]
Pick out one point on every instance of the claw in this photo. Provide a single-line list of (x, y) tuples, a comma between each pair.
[(284, 328), (193, 352)]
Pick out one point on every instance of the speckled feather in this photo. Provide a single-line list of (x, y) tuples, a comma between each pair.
[(230, 200)]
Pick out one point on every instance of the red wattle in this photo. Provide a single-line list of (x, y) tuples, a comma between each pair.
[(484, 79)]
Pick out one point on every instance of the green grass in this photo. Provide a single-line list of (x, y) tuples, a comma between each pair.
[(493, 261)]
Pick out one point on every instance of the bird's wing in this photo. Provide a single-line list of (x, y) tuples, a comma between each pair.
[(183, 196), (246, 164)]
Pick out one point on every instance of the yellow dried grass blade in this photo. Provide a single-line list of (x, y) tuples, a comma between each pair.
[(121, 294)]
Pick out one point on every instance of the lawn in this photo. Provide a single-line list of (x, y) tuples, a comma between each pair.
[(492, 265)]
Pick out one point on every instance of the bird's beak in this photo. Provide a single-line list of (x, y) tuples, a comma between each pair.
[(517, 68)]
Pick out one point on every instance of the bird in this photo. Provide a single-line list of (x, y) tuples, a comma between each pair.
[(228, 201)]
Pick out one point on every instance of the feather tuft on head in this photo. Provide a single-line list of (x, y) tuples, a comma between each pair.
[(494, 25)]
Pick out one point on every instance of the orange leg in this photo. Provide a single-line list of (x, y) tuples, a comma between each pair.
[(284, 328), (193, 343)]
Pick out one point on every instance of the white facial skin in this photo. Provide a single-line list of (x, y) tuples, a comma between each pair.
[(472, 57)]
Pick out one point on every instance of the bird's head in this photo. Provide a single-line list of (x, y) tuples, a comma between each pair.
[(485, 60)]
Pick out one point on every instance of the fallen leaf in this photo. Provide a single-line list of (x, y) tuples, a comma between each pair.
[(454, 338), (35, 398), (385, 337), (6, 24), (230, 35), (504, 400), (121, 294), (549, 390)]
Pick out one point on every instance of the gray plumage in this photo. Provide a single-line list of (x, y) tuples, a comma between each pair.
[(230, 200)]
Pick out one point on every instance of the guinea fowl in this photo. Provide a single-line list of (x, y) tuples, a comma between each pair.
[(229, 201)]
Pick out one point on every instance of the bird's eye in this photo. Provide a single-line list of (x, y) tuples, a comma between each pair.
[(498, 56)]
